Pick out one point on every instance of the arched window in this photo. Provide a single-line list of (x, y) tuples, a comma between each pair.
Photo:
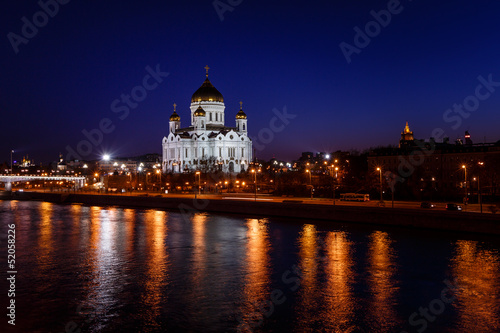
[(210, 116), (216, 117), (243, 126)]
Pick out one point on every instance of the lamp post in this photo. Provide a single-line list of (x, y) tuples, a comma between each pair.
[(198, 173), (465, 174), (380, 171), (310, 181), (479, 194), (334, 181), (255, 182), (158, 172)]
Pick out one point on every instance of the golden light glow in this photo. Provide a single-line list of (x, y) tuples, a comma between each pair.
[(476, 277), (382, 283), (257, 270), (45, 240), (339, 299), (157, 261), (309, 296)]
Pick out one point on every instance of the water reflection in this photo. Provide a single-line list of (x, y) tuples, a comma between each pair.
[(256, 293), (309, 301), (382, 283), (477, 277), (104, 267), (156, 261), (45, 238), (340, 276)]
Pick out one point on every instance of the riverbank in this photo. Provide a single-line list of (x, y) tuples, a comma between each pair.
[(409, 218)]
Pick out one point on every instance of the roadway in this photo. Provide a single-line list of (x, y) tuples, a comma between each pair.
[(263, 197)]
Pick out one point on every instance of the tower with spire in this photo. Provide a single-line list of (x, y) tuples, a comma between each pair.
[(207, 144), (175, 121), (241, 120), (406, 137)]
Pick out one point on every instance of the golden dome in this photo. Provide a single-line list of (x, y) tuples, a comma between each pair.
[(241, 114), (207, 92), (200, 112), (175, 117)]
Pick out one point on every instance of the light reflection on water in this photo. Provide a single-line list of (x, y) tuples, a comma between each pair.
[(113, 269), (256, 273), (340, 274), (476, 272)]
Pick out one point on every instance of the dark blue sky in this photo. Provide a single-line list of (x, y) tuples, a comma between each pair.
[(270, 54)]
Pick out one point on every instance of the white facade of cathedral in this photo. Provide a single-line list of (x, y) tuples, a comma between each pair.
[(207, 145)]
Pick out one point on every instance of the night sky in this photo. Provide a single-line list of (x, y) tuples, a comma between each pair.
[(269, 54)]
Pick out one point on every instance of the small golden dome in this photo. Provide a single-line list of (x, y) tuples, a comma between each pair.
[(241, 114), (175, 117), (200, 112)]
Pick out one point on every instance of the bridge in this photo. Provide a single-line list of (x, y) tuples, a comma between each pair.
[(9, 179)]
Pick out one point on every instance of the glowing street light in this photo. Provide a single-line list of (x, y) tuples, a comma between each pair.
[(106, 157), (255, 181), (380, 171), (198, 173), (479, 194), (334, 182), (310, 181), (465, 175)]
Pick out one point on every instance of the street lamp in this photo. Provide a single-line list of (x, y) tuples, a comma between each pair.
[(310, 181), (198, 173), (106, 157), (255, 181), (158, 172), (380, 171), (465, 174), (479, 194)]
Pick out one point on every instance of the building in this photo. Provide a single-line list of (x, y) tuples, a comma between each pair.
[(118, 165), (207, 144), (406, 137), (427, 166)]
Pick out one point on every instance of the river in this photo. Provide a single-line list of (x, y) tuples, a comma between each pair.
[(110, 269)]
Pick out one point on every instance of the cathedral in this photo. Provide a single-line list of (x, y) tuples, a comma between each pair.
[(207, 145)]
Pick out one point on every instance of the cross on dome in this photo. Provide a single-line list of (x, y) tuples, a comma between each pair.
[(207, 68)]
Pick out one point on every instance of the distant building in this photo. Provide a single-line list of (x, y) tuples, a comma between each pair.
[(119, 166), (208, 144), (430, 166), (406, 137)]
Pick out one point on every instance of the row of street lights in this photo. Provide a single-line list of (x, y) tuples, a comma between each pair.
[(379, 169)]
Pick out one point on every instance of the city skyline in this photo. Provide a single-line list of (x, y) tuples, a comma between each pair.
[(65, 79)]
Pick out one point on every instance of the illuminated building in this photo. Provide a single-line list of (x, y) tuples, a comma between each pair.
[(430, 168), (207, 144)]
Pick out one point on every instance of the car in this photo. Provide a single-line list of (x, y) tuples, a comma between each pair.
[(427, 204), (452, 206)]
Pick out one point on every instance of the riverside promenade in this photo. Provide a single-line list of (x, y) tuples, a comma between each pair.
[(313, 210)]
